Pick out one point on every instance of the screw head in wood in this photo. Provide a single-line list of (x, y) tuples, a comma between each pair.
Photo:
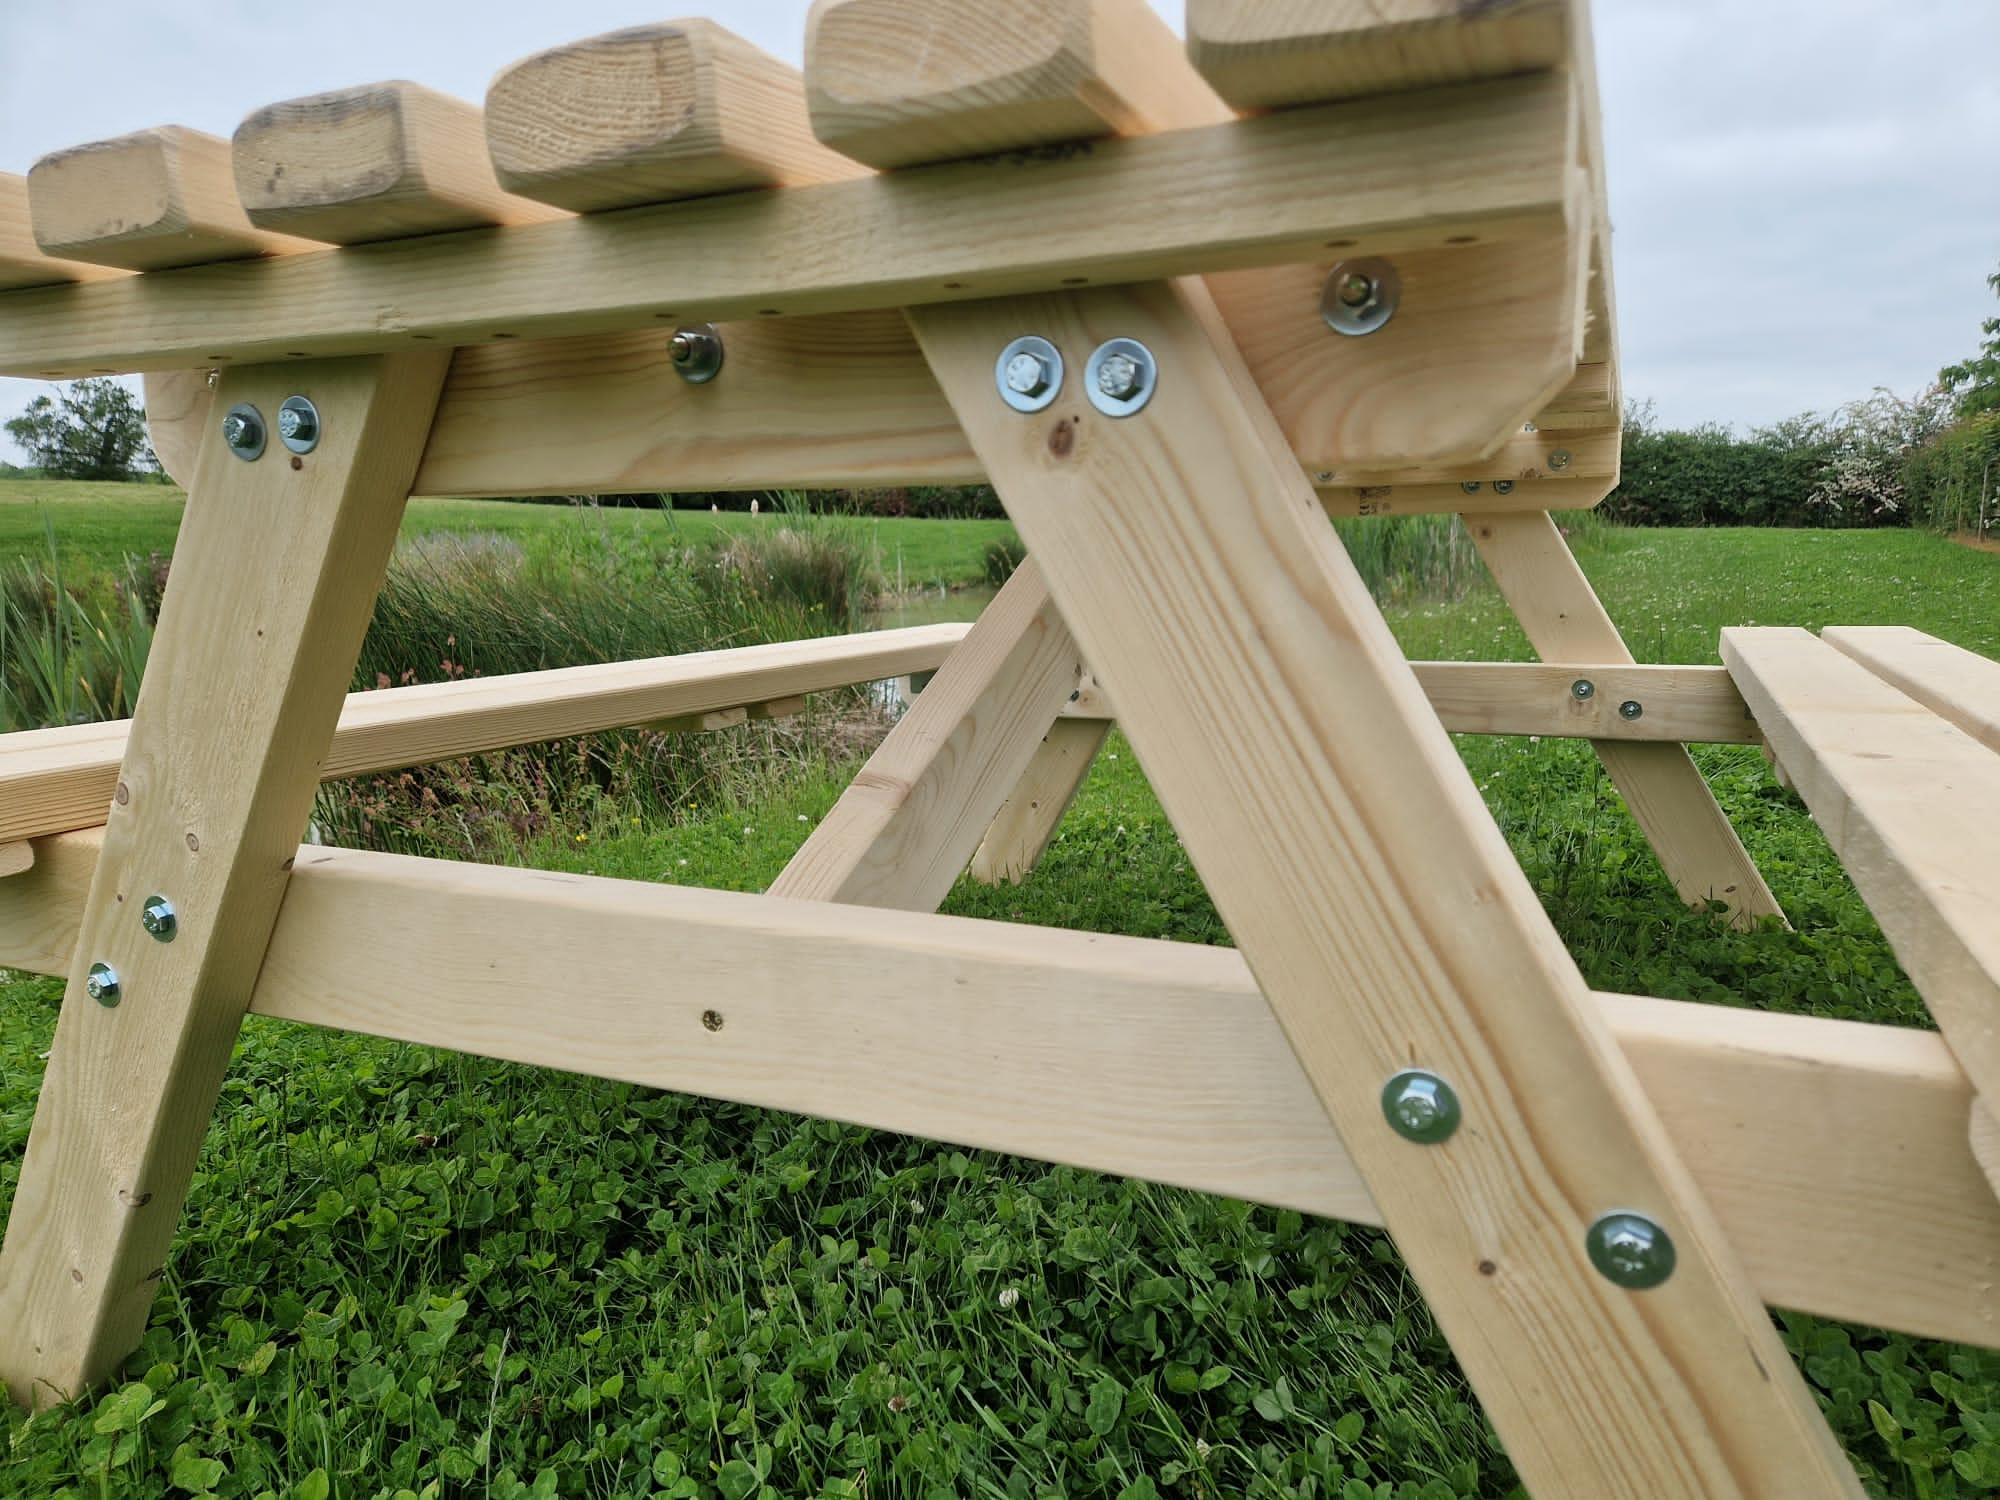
[(1559, 459), (243, 431), (1360, 296), (1420, 1106), (101, 984), (1631, 709), (1630, 1250), (1029, 373), (298, 424), (697, 353), (1470, 486), (1121, 377), (1583, 687), (158, 917), (1503, 486)]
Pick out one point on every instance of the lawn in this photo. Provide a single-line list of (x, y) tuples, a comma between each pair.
[(96, 525), (405, 1272)]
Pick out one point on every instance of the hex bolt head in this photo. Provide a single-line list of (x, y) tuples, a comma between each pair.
[(243, 431), (1631, 709), (1630, 1250), (158, 917), (298, 424), (101, 984), (1420, 1106), (1559, 459), (1583, 687), (1027, 374), (1360, 296), (696, 351), (1118, 376)]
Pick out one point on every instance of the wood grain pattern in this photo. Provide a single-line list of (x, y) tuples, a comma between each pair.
[(179, 404), (653, 114), (372, 163), (913, 817), (150, 201), (1956, 684), (1565, 622), (243, 685), (1383, 915), (1489, 159), (1268, 54), (16, 858), (898, 82), (1123, 1055), (62, 778), (23, 263), (1027, 820)]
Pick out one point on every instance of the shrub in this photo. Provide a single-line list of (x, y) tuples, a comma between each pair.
[(1001, 557)]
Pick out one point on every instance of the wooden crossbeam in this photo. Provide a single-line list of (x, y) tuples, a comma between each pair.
[(63, 778), (1490, 160), (373, 163), (1383, 915), (1021, 830), (274, 576), (151, 201), (1159, 1060)]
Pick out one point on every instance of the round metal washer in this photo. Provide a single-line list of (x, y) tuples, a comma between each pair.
[(243, 431), (697, 353), (1120, 366), (298, 424), (1029, 373), (101, 984), (1360, 296)]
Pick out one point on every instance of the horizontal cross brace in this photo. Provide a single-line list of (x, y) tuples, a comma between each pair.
[(1483, 162), (1151, 1059)]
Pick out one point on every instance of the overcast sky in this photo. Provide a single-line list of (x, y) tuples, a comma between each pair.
[(1806, 193)]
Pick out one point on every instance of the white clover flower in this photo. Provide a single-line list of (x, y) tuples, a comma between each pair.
[(1010, 1296)]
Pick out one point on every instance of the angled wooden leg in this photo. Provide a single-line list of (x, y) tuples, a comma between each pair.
[(275, 573), (1566, 621), (1382, 914), (1027, 820), (903, 832)]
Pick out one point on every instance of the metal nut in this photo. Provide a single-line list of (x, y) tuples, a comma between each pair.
[(298, 424), (1360, 296), (1420, 1106), (159, 918), (1118, 377), (243, 431), (101, 984), (1029, 373), (1631, 709), (697, 353), (1121, 377), (1583, 687), (1630, 1250)]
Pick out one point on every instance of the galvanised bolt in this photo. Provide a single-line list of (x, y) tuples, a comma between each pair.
[(1583, 687), (1630, 709), (1356, 290), (158, 917), (101, 984), (237, 429), (243, 431), (1027, 374), (1118, 376), (298, 424), (1559, 460), (1420, 1106), (1630, 1250), (1470, 486), (1503, 486), (696, 352)]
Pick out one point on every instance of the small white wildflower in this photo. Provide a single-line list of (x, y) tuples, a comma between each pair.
[(1010, 1296), (683, 862), (1114, 757), (1201, 1449), (804, 819), (1534, 739), (747, 830)]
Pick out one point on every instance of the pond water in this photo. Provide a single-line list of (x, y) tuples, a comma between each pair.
[(935, 607)]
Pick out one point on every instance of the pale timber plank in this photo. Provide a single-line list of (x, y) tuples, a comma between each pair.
[(149, 201), (1027, 820), (178, 404), (1492, 497), (1383, 915), (1950, 681), (1267, 54), (898, 82), (372, 163), (274, 576), (1673, 806), (16, 858), (63, 778), (906, 827), (650, 115), (1490, 159), (1911, 803), (1123, 1055), (22, 262)]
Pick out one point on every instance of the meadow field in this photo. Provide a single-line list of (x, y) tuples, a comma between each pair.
[(407, 1273)]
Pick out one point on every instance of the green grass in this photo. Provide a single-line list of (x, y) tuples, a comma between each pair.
[(97, 525), (403, 1271)]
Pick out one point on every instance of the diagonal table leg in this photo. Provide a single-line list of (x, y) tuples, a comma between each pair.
[(1383, 916), (904, 831), (1566, 621), (1027, 821), (275, 573)]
